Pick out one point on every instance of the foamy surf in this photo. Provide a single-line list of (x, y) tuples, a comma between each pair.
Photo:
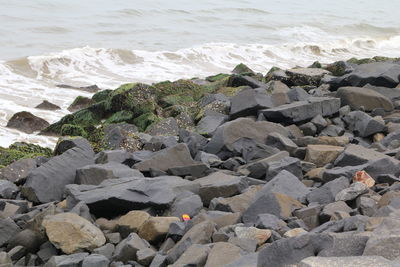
[(26, 82)]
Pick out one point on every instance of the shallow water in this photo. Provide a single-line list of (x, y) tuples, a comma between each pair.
[(44, 43)]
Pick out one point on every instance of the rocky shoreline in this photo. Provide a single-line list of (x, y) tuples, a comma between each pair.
[(296, 167)]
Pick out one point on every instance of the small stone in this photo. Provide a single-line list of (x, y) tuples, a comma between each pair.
[(294, 232)]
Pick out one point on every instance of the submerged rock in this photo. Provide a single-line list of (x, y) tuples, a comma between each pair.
[(27, 122)]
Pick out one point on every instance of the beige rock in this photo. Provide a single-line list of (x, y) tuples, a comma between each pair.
[(333, 140), (378, 137), (222, 254), (321, 155), (195, 255), (156, 228), (105, 224), (72, 233), (315, 174), (133, 220), (294, 232), (260, 235), (373, 223)]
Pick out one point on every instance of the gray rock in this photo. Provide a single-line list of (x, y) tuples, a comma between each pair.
[(306, 76), (303, 110), (119, 196), (128, 248), (240, 80), (27, 122), (309, 129), (165, 159), (367, 261), (67, 143), (195, 255), (8, 189), (145, 256), (107, 250), (352, 192), (259, 169), (319, 122), (298, 94), (194, 141), (27, 238), (281, 142), (8, 229), (328, 211), (309, 215), (270, 221), (363, 125), (356, 97), (168, 126), (248, 260), (107, 156), (95, 260), (186, 203), (292, 165), (209, 124), (97, 173), (248, 102), (326, 194), (357, 155), (73, 260), (17, 171), (47, 183), (367, 206), (46, 105)]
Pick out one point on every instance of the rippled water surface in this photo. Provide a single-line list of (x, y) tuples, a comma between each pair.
[(44, 43)]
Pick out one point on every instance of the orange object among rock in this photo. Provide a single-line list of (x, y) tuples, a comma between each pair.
[(186, 217), (364, 177)]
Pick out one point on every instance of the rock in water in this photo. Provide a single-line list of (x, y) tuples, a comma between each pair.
[(27, 122), (47, 106), (47, 183), (72, 233)]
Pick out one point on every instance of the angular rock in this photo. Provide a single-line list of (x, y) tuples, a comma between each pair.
[(95, 260), (165, 159), (127, 249), (167, 126), (95, 174), (352, 192), (47, 182), (326, 194), (321, 155), (8, 229), (118, 156), (306, 76), (195, 255), (356, 97), (156, 228), (133, 220), (248, 102), (363, 125), (259, 169), (253, 233), (18, 170), (357, 155), (145, 256), (46, 105), (72, 233), (209, 124), (27, 122), (186, 203), (222, 254), (303, 110), (73, 260), (66, 143), (366, 261)]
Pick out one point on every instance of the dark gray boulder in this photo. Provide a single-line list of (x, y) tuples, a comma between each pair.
[(302, 110), (95, 260), (47, 183), (248, 102), (27, 122), (209, 124), (8, 229), (46, 105), (361, 124), (97, 173), (326, 194), (72, 260), (66, 143), (118, 156), (8, 189)]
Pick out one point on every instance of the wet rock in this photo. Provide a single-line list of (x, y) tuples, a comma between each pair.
[(46, 105), (363, 125), (95, 174), (90, 88), (302, 110), (321, 155), (27, 122), (71, 233), (356, 97), (47, 182), (79, 103), (66, 143), (176, 156)]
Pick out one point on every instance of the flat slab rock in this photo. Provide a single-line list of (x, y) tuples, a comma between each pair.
[(302, 110)]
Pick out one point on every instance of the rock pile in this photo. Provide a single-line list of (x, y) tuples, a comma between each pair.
[(297, 167)]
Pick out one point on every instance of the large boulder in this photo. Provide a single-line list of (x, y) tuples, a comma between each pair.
[(306, 76), (176, 156), (302, 110), (119, 196), (326, 194), (72, 233), (228, 133), (27, 122), (354, 155), (356, 97), (248, 102), (47, 182), (97, 173)]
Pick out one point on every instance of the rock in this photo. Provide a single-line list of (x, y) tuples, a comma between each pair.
[(186, 203), (222, 254), (219, 184), (248, 260), (238, 203), (366, 261), (302, 110), (209, 124), (306, 76), (199, 234), (8, 189), (352, 192), (195, 255), (8, 229), (277, 204), (285, 183), (27, 238), (321, 155), (47, 251), (27, 122), (156, 228), (133, 220), (270, 221), (329, 210), (66, 143), (377, 74), (145, 256), (356, 97), (165, 159), (294, 232), (107, 250), (240, 80), (309, 215), (259, 169), (230, 132), (326, 194), (253, 233), (281, 142), (118, 156), (119, 196), (367, 206), (5, 259), (79, 103), (73, 260), (95, 174), (71, 233), (90, 88), (95, 260), (128, 248), (354, 155), (248, 102), (194, 141), (168, 126), (47, 182), (363, 125), (17, 171), (319, 122), (47, 106)]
